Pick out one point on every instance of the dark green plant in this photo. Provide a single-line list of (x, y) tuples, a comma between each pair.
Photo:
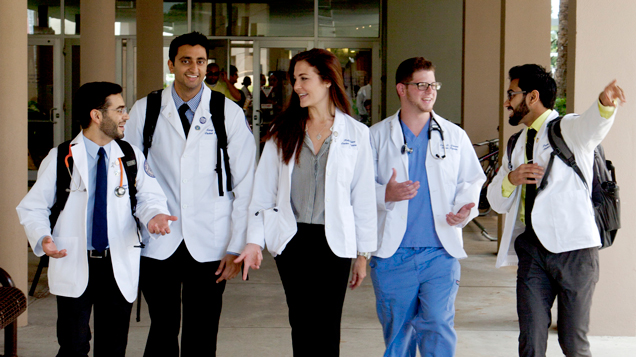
[(559, 106)]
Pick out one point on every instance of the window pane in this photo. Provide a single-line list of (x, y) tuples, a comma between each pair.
[(175, 18), (265, 18), (71, 14), (44, 17), (349, 18), (125, 17)]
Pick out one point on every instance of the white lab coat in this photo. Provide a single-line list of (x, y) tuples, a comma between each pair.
[(563, 215), (453, 182), (211, 224), (350, 216), (68, 276)]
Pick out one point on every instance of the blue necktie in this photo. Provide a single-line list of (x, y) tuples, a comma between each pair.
[(100, 224)]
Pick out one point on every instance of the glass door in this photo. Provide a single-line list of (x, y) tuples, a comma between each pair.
[(271, 85), (45, 90), (360, 61)]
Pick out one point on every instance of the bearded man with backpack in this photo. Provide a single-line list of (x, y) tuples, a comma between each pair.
[(84, 212), (550, 228)]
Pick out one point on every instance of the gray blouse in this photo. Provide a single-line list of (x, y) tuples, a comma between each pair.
[(308, 183)]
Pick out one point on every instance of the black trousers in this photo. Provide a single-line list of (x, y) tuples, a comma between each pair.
[(541, 277), (111, 321), (315, 283), (169, 284)]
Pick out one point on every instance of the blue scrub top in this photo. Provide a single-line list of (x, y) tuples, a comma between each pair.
[(420, 226)]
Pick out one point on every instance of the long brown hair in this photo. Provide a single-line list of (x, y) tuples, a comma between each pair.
[(288, 128)]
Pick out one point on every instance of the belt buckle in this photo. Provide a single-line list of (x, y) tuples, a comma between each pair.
[(97, 255)]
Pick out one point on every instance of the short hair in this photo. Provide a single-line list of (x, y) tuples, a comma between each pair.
[(535, 77), (233, 70), (406, 69), (192, 39), (91, 96)]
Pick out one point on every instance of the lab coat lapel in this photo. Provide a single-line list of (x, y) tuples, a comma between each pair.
[(169, 111), (80, 162), (202, 117), (397, 137)]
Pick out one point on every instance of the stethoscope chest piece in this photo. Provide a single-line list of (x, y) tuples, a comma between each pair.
[(120, 191)]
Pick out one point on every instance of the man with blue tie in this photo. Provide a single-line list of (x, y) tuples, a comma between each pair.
[(94, 243)]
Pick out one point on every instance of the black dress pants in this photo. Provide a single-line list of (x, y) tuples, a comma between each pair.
[(541, 277), (169, 284), (111, 320), (315, 283)]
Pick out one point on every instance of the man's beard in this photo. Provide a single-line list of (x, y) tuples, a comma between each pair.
[(111, 128), (518, 113)]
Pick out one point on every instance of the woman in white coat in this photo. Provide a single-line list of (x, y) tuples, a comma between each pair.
[(313, 202)]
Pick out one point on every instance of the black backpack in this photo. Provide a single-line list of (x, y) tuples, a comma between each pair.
[(217, 109), (63, 183), (605, 191)]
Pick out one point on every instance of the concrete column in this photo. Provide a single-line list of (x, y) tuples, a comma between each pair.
[(13, 140), (149, 46), (97, 40), (482, 77), (431, 29), (603, 53)]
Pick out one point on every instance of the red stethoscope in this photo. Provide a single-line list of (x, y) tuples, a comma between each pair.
[(120, 191)]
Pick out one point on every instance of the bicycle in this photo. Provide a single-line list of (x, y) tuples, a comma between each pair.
[(490, 164)]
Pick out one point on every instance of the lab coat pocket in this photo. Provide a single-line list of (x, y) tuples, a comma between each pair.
[(271, 225), (64, 272), (207, 154)]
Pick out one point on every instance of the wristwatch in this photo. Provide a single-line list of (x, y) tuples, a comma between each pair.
[(366, 255)]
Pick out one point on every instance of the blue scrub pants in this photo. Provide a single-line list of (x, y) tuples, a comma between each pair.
[(415, 292)]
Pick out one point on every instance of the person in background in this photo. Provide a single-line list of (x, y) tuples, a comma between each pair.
[(247, 103), (313, 192), (217, 80), (363, 95)]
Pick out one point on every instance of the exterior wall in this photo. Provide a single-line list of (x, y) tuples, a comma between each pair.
[(603, 54), (13, 141), (432, 29), (525, 33), (482, 83)]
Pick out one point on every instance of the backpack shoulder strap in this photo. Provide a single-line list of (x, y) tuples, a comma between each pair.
[(153, 106), (129, 161), (217, 110), (561, 148), (63, 181), (512, 141)]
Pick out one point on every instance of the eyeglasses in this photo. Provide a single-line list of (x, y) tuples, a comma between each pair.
[(422, 86), (120, 111), (511, 94)]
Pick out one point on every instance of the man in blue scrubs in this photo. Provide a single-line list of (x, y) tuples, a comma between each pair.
[(428, 179)]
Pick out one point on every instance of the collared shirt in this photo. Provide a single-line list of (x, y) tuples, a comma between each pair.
[(420, 226), (91, 161), (308, 183), (507, 187), (193, 103)]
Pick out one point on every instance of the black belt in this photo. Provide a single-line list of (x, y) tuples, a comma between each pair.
[(98, 254)]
